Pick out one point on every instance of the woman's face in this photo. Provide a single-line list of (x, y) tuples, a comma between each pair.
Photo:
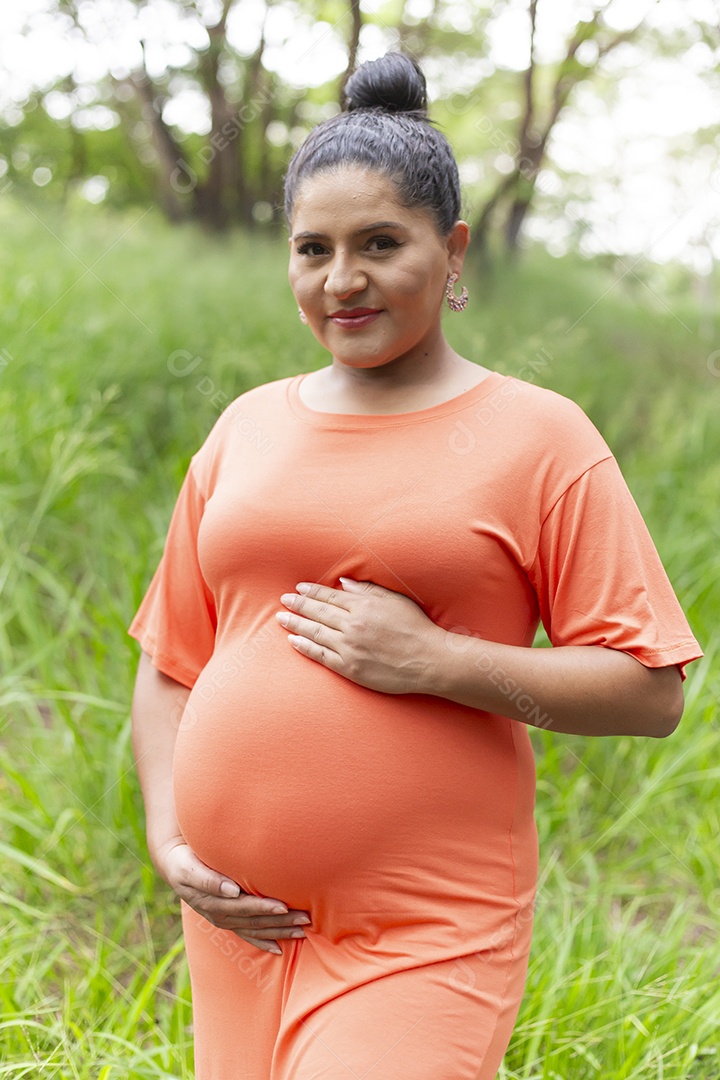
[(368, 273)]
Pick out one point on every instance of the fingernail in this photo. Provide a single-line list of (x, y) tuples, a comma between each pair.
[(275, 949), (229, 888), (297, 933), (277, 909), (302, 920)]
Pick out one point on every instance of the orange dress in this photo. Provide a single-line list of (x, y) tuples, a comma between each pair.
[(404, 824)]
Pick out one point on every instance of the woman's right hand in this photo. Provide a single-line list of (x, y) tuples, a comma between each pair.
[(222, 902)]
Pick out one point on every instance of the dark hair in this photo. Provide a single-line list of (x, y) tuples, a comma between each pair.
[(385, 126)]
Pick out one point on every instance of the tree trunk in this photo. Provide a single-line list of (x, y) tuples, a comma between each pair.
[(221, 155), (257, 99), (169, 154), (514, 192)]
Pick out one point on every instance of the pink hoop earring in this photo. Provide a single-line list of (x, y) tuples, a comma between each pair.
[(303, 316), (455, 303)]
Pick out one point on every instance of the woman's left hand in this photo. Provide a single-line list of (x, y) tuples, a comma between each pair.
[(373, 636)]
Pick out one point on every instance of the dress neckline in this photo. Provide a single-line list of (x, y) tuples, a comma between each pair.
[(375, 420)]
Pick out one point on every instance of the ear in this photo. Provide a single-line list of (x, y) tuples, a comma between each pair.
[(457, 244)]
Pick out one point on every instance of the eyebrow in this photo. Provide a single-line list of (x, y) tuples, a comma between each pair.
[(365, 228)]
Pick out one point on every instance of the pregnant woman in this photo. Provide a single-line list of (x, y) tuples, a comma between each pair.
[(331, 714)]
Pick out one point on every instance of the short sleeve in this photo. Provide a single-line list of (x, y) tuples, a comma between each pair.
[(176, 621), (599, 578)]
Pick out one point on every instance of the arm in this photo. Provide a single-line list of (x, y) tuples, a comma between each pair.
[(381, 639), (577, 690), (158, 703), (157, 711)]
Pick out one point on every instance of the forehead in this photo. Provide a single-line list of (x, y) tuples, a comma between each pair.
[(342, 197)]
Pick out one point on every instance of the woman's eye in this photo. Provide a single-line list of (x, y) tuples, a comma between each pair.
[(378, 243), (311, 247), (383, 243)]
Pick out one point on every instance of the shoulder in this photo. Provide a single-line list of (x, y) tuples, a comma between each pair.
[(252, 402), (254, 417), (547, 423), (541, 405), (537, 443)]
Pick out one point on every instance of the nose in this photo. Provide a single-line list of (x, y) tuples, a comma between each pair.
[(344, 277)]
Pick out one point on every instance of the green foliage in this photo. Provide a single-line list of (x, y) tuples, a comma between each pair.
[(72, 156), (103, 403)]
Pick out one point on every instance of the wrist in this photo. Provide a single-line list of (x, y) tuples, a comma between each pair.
[(437, 676), (460, 666), (160, 847)]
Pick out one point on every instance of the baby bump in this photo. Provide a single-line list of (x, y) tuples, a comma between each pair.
[(288, 777)]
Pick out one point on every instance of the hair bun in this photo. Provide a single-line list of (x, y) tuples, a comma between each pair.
[(394, 83)]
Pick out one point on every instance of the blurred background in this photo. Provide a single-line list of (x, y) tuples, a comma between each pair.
[(143, 286), (589, 127)]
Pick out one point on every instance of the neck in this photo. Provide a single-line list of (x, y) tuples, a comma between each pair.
[(424, 366)]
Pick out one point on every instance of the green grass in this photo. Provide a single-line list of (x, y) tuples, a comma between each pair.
[(96, 434)]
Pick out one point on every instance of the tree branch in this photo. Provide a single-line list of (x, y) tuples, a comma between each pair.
[(169, 153), (356, 16), (529, 78)]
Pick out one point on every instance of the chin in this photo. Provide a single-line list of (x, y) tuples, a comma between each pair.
[(367, 360), (364, 365)]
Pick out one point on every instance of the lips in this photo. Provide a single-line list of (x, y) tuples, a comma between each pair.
[(354, 317)]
